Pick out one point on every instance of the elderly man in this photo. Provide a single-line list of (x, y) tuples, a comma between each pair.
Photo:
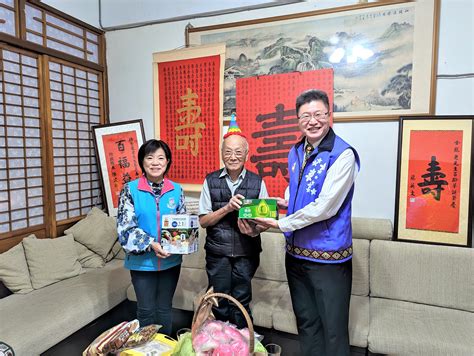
[(322, 170), (232, 257)]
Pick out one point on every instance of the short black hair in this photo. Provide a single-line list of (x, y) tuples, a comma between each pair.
[(151, 146), (311, 95)]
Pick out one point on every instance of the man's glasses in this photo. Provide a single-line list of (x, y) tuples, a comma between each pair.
[(318, 115), (238, 154)]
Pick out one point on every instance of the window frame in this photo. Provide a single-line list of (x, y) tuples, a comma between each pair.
[(19, 44)]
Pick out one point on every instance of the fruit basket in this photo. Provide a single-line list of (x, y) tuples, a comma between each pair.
[(211, 337)]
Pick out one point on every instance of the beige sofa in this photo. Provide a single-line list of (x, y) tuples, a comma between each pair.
[(66, 283), (421, 299), (34, 322), (407, 299)]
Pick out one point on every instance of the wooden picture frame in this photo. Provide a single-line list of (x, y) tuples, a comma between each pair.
[(435, 185), (117, 147), (384, 54)]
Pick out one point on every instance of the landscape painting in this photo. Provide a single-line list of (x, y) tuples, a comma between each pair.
[(382, 55)]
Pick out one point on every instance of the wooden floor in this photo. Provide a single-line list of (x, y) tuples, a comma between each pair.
[(77, 342)]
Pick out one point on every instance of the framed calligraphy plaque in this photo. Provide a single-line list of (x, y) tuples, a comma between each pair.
[(188, 102), (383, 54), (435, 180), (117, 147), (266, 115)]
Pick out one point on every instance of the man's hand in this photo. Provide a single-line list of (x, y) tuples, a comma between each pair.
[(266, 222), (158, 250), (235, 202), (214, 217), (247, 227), (282, 203)]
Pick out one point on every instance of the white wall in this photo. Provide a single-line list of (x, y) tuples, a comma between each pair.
[(455, 56), (84, 10), (129, 58)]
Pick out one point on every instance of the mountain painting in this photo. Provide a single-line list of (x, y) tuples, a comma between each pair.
[(371, 52)]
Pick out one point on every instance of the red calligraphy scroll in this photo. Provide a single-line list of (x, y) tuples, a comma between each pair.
[(265, 108), (190, 116), (434, 180), (120, 151)]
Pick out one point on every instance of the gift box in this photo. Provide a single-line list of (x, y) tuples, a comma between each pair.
[(160, 345), (179, 233), (258, 208)]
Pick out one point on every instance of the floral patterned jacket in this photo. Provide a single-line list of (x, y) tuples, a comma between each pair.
[(132, 237)]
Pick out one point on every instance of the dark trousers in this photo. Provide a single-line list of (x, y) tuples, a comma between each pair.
[(232, 276), (320, 295), (155, 292)]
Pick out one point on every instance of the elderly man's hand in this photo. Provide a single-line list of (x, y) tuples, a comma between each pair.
[(247, 227), (282, 203), (235, 202)]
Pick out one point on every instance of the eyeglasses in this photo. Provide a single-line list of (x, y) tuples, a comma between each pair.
[(238, 154), (319, 116)]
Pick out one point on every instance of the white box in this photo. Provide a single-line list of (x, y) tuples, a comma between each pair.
[(179, 233)]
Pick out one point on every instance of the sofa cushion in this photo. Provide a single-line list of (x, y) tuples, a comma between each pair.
[(372, 229), (265, 296), (14, 270), (426, 274), (88, 258), (272, 259), (131, 295), (191, 284), (403, 328), (360, 267), (34, 322), (359, 321), (284, 318), (97, 231), (51, 260), (116, 252)]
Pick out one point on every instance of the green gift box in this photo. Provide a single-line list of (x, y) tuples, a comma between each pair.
[(258, 208)]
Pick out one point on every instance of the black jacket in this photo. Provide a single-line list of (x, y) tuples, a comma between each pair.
[(224, 238)]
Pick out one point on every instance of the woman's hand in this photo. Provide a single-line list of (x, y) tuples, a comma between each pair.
[(158, 250)]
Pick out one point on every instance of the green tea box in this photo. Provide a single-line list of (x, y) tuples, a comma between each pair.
[(258, 208), (179, 233)]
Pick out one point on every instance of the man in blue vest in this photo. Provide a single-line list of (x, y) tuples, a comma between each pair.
[(232, 257), (322, 171)]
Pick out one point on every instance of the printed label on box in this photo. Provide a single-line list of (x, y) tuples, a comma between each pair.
[(258, 208), (179, 233)]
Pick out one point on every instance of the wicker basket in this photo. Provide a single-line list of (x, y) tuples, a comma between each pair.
[(203, 313)]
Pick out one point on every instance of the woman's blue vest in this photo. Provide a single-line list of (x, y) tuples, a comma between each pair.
[(327, 241), (149, 215)]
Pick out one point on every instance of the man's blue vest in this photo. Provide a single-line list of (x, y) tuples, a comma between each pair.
[(149, 215), (327, 241)]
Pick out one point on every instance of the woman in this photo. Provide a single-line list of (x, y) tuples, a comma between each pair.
[(142, 203)]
